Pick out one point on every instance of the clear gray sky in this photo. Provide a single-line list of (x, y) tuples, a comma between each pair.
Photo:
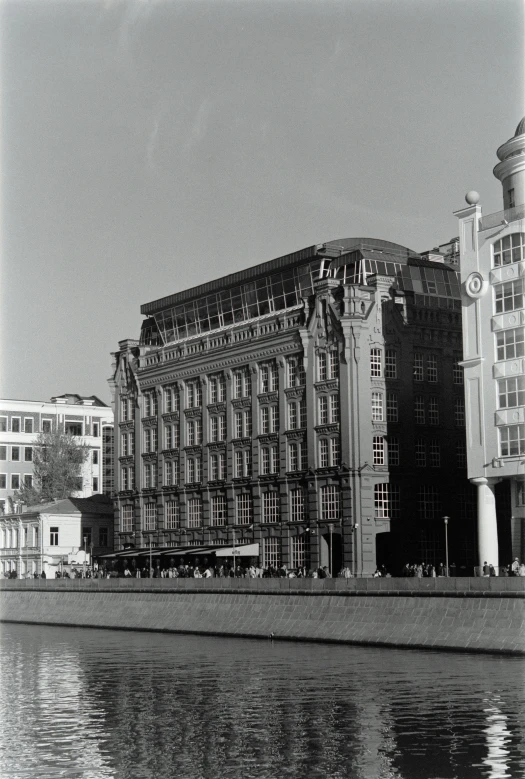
[(151, 146)]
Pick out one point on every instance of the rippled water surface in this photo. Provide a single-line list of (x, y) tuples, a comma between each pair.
[(100, 704)]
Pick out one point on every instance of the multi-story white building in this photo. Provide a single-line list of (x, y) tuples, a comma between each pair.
[(87, 418), (492, 250)]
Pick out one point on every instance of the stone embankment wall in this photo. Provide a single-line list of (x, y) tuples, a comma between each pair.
[(481, 615)]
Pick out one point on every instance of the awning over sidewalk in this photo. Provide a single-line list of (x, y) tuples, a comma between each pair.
[(248, 550)]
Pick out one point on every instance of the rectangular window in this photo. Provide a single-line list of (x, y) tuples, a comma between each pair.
[(274, 419), (393, 452), (95, 456), (87, 537), (335, 452), (150, 516), (15, 454), (53, 536), (418, 367), (375, 363), (3, 481), (194, 512), (28, 454), (421, 453), (238, 426), (15, 424), (237, 385), (28, 425), (265, 419), (333, 364), (198, 431), (176, 436), (432, 371), (392, 411), (434, 454), (270, 553), (382, 501), (330, 502), (323, 409), (510, 344), (457, 373), (190, 433), (147, 440), (147, 476), (46, 425), (512, 440), (3, 453), (334, 408), (95, 484), (219, 514), (508, 296), (461, 454), (168, 400), (126, 519), (274, 378), (293, 423), (377, 407), (433, 411), (239, 463), (298, 550), (221, 389), (3, 424), (302, 413), (243, 509), (297, 505), (214, 429), (103, 536), (428, 502), (172, 515), (294, 457), (322, 373), (270, 507), (222, 427), (419, 410), (124, 444), (168, 437), (265, 378), (459, 412), (323, 453), (171, 472), (390, 364), (378, 446), (395, 501), (96, 430), (124, 479), (73, 428), (511, 392), (292, 372)]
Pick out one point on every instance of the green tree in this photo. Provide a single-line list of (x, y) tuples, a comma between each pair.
[(58, 459)]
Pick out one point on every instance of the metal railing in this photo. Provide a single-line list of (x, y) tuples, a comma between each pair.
[(501, 218)]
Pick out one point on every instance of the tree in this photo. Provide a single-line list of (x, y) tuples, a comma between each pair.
[(57, 468)]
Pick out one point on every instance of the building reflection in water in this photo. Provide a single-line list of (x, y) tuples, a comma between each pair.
[(116, 704)]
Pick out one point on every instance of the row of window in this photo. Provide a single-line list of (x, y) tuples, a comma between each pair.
[(16, 452), (9, 537), (424, 366), (508, 296), (426, 410), (386, 452), (509, 249), (72, 428), (16, 480)]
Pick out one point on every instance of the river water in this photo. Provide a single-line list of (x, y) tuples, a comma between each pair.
[(114, 704)]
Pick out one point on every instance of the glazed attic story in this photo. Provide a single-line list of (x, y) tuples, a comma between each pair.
[(293, 403)]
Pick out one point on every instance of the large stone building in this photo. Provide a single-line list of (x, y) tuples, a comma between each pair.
[(312, 405), (492, 276), (22, 420)]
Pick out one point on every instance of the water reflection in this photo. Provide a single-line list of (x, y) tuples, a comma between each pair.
[(98, 704)]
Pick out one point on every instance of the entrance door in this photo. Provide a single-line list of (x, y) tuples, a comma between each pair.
[(336, 556)]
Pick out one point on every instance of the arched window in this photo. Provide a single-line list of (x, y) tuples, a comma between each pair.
[(509, 249)]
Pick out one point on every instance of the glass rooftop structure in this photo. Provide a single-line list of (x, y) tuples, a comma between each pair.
[(283, 283)]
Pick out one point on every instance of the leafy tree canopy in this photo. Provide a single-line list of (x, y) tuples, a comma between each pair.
[(57, 468)]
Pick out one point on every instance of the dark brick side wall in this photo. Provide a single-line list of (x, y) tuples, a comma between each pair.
[(480, 615)]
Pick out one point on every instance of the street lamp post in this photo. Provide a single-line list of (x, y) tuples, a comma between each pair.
[(445, 520), (150, 559), (91, 557), (331, 529), (84, 563)]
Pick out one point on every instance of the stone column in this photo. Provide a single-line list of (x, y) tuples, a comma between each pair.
[(487, 522)]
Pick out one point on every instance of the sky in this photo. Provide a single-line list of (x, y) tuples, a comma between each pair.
[(152, 145)]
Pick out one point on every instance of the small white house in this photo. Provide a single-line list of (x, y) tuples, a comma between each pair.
[(46, 538)]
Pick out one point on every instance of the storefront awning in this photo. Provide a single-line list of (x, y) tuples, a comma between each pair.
[(248, 550)]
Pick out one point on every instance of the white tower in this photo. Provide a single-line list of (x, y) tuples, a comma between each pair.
[(511, 170)]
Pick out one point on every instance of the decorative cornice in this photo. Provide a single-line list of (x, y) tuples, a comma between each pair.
[(295, 392), (190, 413), (326, 386), (242, 402), (217, 408), (171, 416)]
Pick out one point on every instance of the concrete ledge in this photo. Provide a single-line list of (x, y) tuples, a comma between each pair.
[(383, 614)]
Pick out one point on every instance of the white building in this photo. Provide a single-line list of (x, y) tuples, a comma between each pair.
[(55, 536), (492, 254), (22, 420)]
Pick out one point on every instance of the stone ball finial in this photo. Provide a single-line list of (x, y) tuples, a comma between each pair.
[(472, 197)]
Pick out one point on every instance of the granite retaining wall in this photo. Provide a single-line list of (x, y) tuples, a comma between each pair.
[(481, 615)]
